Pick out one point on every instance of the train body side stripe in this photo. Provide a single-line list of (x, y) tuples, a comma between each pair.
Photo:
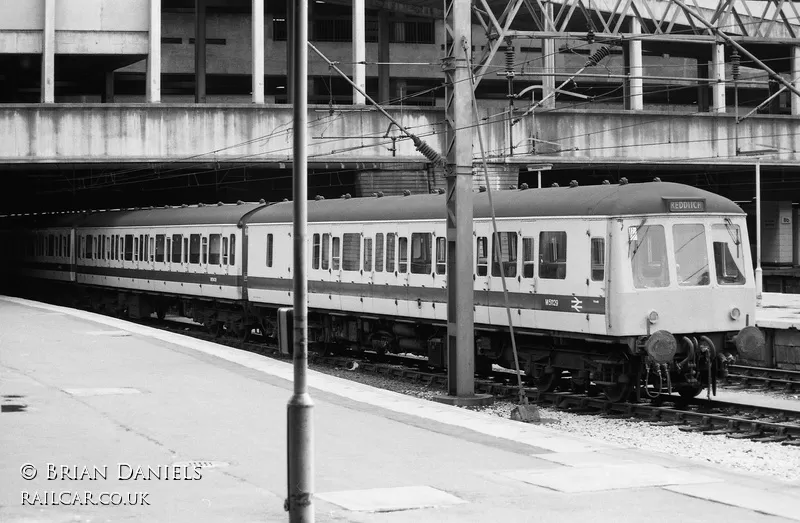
[(517, 300)]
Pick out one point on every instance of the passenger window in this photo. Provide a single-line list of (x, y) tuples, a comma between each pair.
[(553, 255), (141, 248), (51, 245), (379, 252), (168, 250), (185, 249), (128, 247), (152, 247), (159, 247), (233, 249), (648, 253), (224, 250), (335, 255), (176, 248), (214, 246), (481, 261), (391, 246), (269, 250), (691, 254), (421, 253), (368, 254), (351, 251), (68, 250), (315, 253), (204, 250), (194, 248), (135, 249), (528, 261), (507, 254), (402, 256), (728, 254), (598, 257), (326, 251), (88, 246), (441, 255)]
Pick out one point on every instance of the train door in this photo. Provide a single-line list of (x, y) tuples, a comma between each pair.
[(553, 282), (504, 260), (421, 272), (404, 294), (594, 299)]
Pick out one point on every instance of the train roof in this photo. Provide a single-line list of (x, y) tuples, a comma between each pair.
[(215, 214), (595, 200)]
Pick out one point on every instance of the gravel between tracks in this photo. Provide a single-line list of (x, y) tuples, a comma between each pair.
[(768, 459)]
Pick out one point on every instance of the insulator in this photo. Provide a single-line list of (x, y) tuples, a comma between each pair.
[(606, 182), (482, 188), (656, 179), (523, 186), (510, 59), (597, 56), (554, 185), (406, 192), (573, 183), (736, 62), (623, 181), (428, 152), (319, 197)]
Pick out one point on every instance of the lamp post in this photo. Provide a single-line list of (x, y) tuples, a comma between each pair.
[(758, 271), (759, 274)]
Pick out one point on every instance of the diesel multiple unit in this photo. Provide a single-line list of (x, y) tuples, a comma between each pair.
[(632, 287)]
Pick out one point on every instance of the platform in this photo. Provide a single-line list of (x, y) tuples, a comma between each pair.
[(97, 394), (778, 317)]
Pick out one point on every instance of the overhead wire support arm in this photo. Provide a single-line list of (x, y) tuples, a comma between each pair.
[(420, 144), (593, 60), (718, 32)]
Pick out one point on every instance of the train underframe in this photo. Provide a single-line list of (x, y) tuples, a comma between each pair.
[(622, 368)]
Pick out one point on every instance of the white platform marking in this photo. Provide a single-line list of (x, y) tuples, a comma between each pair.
[(102, 391), (611, 477), (772, 503), (390, 499), (583, 459)]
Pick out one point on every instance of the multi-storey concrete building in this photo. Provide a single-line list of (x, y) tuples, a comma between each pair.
[(157, 101)]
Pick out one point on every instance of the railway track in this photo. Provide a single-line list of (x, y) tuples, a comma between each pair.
[(711, 417), (772, 379)]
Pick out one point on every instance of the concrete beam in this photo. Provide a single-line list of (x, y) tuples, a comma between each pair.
[(200, 51), (131, 133)]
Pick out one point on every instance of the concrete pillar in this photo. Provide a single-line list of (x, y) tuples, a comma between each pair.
[(108, 91), (548, 63), (702, 87), (154, 56), (359, 50), (384, 86), (795, 68), (258, 51), (49, 53), (635, 93), (718, 78), (200, 51)]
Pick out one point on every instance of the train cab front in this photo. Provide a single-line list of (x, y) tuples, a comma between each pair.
[(685, 287)]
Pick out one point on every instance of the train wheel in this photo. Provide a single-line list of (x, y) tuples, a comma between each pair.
[(689, 391), (618, 392), (548, 382)]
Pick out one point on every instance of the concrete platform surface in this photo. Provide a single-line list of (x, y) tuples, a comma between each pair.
[(99, 410), (778, 311)]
